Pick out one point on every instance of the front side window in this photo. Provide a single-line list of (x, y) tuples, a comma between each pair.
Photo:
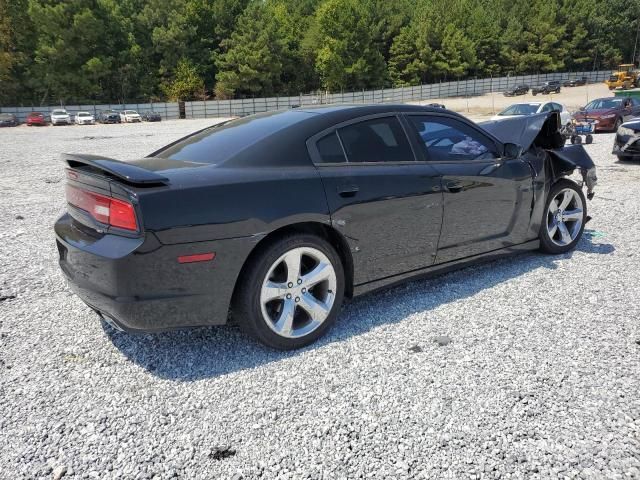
[(447, 140), (376, 140)]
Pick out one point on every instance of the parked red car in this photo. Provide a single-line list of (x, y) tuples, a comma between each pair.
[(36, 118), (609, 113)]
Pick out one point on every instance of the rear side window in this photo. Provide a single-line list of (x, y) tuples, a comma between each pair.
[(376, 140), (449, 140), (330, 149)]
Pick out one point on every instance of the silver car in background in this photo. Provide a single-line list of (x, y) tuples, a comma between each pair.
[(85, 118), (60, 117)]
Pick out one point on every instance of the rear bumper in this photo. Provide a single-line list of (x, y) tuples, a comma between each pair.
[(139, 284)]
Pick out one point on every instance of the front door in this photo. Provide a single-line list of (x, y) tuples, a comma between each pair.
[(387, 205), (487, 199)]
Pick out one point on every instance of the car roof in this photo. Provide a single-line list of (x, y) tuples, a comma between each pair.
[(280, 137)]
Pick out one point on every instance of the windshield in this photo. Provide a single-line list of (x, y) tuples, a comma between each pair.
[(215, 144), (520, 109), (130, 112), (6, 116), (604, 104), (84, 114), (59, 112)]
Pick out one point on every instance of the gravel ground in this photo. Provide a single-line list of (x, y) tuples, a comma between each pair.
[(524, 368)]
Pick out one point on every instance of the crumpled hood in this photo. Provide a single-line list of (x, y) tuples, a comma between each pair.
[(542, 130), (634, 124), (524, 130)]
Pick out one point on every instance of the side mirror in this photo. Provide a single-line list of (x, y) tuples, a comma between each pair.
[(582, 109), (512, 150)]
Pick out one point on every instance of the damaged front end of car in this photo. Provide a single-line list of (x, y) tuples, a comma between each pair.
[(544, 148)]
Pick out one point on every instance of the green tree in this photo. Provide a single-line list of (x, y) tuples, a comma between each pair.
[(187, 83), (15, 44), (263, 55), (347, 56)]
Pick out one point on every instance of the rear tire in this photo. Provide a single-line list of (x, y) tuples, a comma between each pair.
[(291, 293), (588, 139), (564, 218)]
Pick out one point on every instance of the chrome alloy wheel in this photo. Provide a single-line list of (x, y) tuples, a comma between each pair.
[(298, 292), (564, 217)]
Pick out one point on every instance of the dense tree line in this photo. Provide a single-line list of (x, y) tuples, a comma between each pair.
[(106, 50)]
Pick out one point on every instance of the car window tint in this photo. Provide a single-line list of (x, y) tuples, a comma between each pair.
[(520, 109), (557, 107), (547, 108), (377, 140), (218, 143), (330, 149), (447, 139)]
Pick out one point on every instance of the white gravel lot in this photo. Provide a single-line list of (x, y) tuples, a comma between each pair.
[(541, 378)]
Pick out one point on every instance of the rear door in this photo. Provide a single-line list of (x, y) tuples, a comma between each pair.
[(387, 205), (487, 199)]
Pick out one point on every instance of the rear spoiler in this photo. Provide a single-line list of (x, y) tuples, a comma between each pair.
[(126, 172)]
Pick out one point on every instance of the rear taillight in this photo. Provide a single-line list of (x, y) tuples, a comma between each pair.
[(107, 210)]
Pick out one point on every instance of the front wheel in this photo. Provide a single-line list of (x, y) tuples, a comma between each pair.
[(564, 218), (291, 293)]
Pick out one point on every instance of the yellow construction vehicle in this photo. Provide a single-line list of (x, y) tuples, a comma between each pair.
[(625, 78)]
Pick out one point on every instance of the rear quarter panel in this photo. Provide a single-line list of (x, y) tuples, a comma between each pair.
[(220, 203)]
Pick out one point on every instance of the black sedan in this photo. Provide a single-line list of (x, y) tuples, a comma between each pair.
[(546, 88), (517, 90), (8, 120), (575, 82), (627, 142), (275, 218), (151, 116)]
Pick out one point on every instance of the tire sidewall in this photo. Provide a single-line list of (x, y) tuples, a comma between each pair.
[(546, 244), (250, 316)]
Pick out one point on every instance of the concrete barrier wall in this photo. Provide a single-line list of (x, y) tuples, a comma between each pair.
[(248, 106)]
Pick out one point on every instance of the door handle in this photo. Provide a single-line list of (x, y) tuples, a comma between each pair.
[(454, 187), (348, 190)]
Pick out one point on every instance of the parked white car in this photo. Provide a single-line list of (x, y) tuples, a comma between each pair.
[(60, 117), (128, 116), (85, 118), (531, 108)]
